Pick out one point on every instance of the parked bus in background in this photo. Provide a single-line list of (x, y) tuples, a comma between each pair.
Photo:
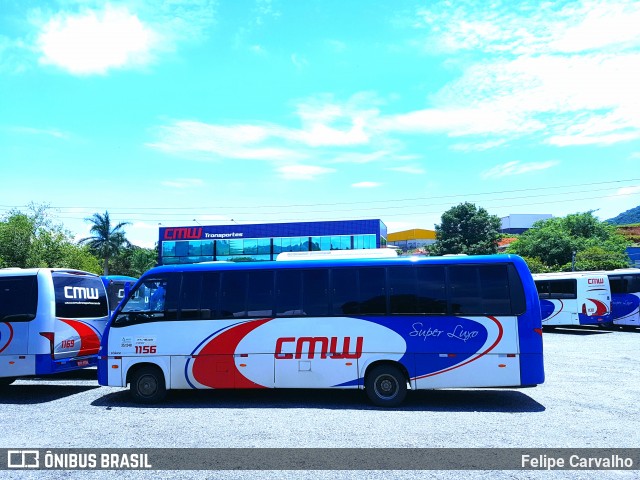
[(625, 296), (379, 324), (51, 320), (574, 298), (117, 287)]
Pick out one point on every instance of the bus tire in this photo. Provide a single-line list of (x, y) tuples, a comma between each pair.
[(386, 386), (6, 381), (148, 385)]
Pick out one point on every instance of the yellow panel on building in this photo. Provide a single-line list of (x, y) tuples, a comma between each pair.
[(415, 238)]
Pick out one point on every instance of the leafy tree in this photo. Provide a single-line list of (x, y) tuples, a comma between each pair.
[(107, 240), (33, 240), (467, 229), (553, 242), (597, 258), (536, 265), (17, 234), (134, 261)]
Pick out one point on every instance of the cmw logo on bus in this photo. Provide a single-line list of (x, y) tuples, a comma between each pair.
[(81, 293), (328, 348)]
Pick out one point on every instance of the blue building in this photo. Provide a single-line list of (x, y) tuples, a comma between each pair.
[(265, 241), (634, 256)]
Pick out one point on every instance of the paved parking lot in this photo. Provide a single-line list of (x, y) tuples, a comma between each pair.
[(591, 398)]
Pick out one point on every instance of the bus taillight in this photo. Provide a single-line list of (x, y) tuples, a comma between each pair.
[(49, 336), (538, 331)]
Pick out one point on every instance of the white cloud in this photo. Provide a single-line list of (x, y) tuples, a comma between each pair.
[(517, 168), (183, 183), (234, 141), (563, 71), (93, 42), (361, 158), (409, 169), (627, 191), (324, 123), (303, 172), (366, 185), (50, 132)]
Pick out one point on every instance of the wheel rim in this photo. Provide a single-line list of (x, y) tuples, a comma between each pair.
[(147, 385), (386, 386)]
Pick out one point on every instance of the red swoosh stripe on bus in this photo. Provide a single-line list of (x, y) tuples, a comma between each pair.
[(10, 337), (215, 366), (601, 308), (89, 340), (500, 331)]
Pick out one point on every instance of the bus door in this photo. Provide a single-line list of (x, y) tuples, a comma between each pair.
[(625, 299), (81, 311), (18, 306)]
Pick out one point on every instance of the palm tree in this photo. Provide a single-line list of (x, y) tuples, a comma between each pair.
[(107, 241)]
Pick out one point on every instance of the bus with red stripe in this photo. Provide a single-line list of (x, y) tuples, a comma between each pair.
[(574, 298), (51, 320), (382, 325), (625, 297)]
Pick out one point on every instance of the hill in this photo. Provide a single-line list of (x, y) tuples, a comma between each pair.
[(626, 218)]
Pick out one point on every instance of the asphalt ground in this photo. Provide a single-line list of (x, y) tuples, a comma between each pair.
[(590, 399)]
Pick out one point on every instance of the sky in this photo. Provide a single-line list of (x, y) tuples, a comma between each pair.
[(189, 112)]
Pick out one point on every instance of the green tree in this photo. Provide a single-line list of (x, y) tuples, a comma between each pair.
[(34, 240), (107, 239), (597, 258), (17, 234), (536, 265), (134, 261), (467, 229), (597, 245)]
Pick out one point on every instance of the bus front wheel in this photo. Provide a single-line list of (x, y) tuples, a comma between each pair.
[(148, 385), (386, 386)]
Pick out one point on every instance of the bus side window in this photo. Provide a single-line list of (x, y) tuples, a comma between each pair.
[(233, 297), (494, 285), (210, 299), (260, 293), (543, 289), (288, 293), (403, 290), (617, 285), (464, 287), (563, 289), (190, 296), (315, 292), (373, 299), (432, 292), (344, 290), (18, 298)]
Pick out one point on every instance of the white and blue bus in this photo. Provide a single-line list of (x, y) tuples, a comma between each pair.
[(51, 320), (625, 296), (574, 298), (384, 325)]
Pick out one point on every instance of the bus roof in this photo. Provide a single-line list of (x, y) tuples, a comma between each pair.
[(341, 262), (560, 275)]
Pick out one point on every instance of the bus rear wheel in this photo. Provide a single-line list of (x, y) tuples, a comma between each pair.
[(148, 385), (386, 386), (6, 381)]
